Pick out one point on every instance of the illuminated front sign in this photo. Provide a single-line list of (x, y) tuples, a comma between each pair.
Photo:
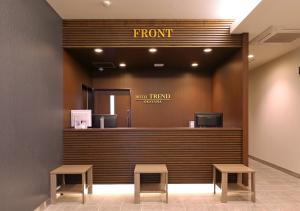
[(152, 33)]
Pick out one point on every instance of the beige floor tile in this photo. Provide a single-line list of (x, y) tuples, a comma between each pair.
[(87, 207), (276, 191), (130, 207), (110, 208), (152, 207)]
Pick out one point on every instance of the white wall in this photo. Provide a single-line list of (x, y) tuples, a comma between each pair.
[(274, 112)]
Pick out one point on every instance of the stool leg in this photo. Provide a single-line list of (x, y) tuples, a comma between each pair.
[(83, 187), (224, 184), (63, 179), (239, 178), (164, 184), (53, 188), (90, 180), (167, 192), (214, 179), (253, 187), (137, 187)]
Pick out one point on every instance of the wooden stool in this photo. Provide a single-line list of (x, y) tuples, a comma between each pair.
[(71, 169), (161, 187), (239, 169)]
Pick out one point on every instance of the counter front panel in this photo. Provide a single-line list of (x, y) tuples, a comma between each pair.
[(188, 153)]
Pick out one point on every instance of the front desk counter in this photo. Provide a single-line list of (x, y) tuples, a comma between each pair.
[(188, 152)]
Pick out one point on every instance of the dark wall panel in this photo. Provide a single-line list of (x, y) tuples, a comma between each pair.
[(190, 92), (227, 91), (75, 75), (31, 102), (230, 92)]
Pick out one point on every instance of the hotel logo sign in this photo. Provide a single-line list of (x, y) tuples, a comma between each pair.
[(153, 98), (152, 33)]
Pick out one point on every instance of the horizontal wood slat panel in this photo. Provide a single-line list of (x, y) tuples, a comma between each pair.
[(119, 33), (188, 153)]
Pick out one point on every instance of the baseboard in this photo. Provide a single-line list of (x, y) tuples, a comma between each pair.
[(43, 205), (289, 172)]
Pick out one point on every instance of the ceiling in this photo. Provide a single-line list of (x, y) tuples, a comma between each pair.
[(140, 60), (278, 13), (252, 16), (151, 9)]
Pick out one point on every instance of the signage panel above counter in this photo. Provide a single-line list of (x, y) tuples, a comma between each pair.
[(145, 33)]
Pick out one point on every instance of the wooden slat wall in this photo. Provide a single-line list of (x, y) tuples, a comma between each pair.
[(188, 153), (119, 33)]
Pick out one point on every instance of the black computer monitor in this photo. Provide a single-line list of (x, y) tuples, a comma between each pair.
[(208, 119), (110, 121)]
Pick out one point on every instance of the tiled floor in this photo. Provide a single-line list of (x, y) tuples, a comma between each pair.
[(276, 191)]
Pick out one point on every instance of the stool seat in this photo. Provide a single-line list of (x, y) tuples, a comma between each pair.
[(150, 168)]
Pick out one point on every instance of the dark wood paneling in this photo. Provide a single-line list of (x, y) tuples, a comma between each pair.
[(74, 76), (101, 103), (227, 90), (119, 33), (188, 153), (245, 53), (230, 93), (190, 91)]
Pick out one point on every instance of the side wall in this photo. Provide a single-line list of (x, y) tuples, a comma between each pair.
[(74, 76), (275, 111), (31, 88)]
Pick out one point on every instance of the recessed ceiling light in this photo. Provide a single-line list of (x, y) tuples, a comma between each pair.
[(250, 56), (194, 64), (207, 50), (159, 65), (106, 3), (152, 50), (122, 64), (100, 69), (98, 50)]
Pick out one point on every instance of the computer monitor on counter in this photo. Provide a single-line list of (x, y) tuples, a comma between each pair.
[(109, 120), (81, 118), (208, 119)]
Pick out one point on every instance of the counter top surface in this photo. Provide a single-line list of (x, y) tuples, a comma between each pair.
[(153, 128)]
